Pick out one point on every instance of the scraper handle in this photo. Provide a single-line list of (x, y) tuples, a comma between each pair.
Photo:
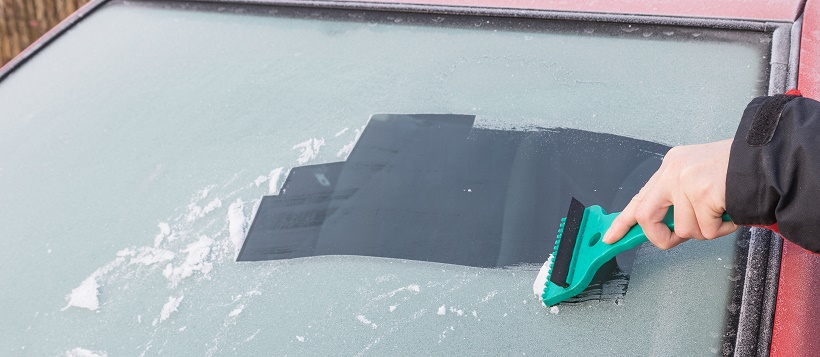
[(669, 219), (635, 235)]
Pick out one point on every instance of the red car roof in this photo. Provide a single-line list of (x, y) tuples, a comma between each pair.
[(774, 10), (809, 69)]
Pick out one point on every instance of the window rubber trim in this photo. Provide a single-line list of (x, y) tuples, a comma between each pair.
[(712, 23), (759, 291), (749, 322)]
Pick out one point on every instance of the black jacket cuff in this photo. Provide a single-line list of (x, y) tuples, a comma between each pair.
[(774, 168)]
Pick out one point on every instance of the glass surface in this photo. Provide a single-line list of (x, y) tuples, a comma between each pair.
[(136, 147)]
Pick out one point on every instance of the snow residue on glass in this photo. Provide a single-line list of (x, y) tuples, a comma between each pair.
[(238, 310), (251, 337), (180, 251), (414, 288), (146, 255), (309, 149), (85, 295), (201, 194), (169, 308), (273, 184), (365, 321), (196, 260), (443, 334), (490, 295), (236, 224), (541, 279), (260, 180), (348, 148), (164, 231), (198, 251), (195, 212), (456, 311), (82, 352), (340, 132), (174, 239)]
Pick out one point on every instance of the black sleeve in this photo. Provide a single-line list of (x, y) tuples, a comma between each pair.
[(774, 168)]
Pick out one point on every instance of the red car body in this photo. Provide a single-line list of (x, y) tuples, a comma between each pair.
[(797, 312)]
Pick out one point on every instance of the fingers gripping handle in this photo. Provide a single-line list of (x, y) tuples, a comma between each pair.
[(669, 219), (636, 236)]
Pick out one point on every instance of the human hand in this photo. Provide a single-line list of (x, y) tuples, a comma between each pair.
[(693, 179)]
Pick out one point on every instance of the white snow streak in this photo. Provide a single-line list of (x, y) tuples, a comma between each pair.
[(347, 149), (148, 255), (236, 311), (164, 231), (170, 307), (195, 261), (236, 224), (260, 180), (82, 352), (365, 321), (273, 185), (309, 148), (341, 132), (85, 295)]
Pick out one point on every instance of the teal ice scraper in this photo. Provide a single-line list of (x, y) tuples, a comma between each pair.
[(579, 251)]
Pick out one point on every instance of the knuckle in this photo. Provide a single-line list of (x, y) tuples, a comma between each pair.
[(642, 216), (638, 196), (688, 173), (710, 234), (700, 191), (672, 157), (685, 231)]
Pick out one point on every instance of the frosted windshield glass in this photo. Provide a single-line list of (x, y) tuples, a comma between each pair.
[(137, 146)]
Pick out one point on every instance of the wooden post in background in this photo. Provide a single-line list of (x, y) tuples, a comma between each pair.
[(24, 21)]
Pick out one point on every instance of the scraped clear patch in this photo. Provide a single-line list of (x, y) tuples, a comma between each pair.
[(436, 188)]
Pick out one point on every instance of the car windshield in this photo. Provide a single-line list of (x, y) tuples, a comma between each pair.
[(415, 168)]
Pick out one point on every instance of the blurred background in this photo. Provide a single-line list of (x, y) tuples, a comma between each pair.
[(24, 21)]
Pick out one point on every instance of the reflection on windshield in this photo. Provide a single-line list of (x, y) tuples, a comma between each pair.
[(435, 188)]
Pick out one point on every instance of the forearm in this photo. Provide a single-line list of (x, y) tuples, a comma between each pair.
[(774, 168)]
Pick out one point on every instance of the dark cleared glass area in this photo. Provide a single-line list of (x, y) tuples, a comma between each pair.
[(435, 188)]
